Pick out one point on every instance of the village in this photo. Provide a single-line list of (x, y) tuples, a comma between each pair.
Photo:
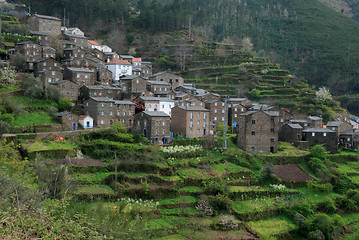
[(110, 87)]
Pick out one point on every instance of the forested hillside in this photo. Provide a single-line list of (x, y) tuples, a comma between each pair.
[(307, 37)]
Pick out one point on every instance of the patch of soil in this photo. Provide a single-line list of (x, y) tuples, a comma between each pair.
[(292, 172), (222, 235), (81, 162)]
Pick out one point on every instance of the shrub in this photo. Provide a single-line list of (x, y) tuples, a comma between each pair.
[(227, 222), (220, 203), (306, 209), (268, 174), (316, 165), (64, 104), (318, 152), (316, 235), (328, 205), (204, 207), (214, 188), (299, 219)]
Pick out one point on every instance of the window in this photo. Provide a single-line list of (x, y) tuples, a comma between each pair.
[(272, 120), (49, 80), (191, 124), (118, 113), (156, 132), (145, 123), (253, 149), (272, 130), (72, 86), (215, 110), (63, 86), (235, 109), (86, 76), (163, 106), (235, 115), (157, 124), (163, 123), (222, 118), (324, 134), (253, 133), (205, 116), (124, 113), (55, 64), (272, 140), (44, 64), (313, 134), (191, 115), (198, 122), (70, 118), (102, 113), (333, 128), (204, 124), (198, 131), (223, 104), (53, 73), (78, 75), (215, 104), (253, 121), (222, 110), (163, 132), (111, 113), (102, 122), (137, 81), (215, 118)]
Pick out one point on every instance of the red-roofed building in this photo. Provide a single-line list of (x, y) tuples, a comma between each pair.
[(86, 121), (119, 68), (136, 62)]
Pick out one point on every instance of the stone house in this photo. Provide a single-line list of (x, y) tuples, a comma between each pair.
[(48, 52), (127, 58), (96, 53), (291, 133), (190, 102), (241, 101), (86, 121), (104, 76), (50, 76), (81, 76), (125, 110), (302, 122), (75, 40), (68, 89), (217, 112), (234, 110), (284, 116), (49, 64), (111, 56), (74, 31), (187, 88), (99, 91), (154, 104), (349, 139), (153, 125), (136, 62), (179, 96), (321, 136), (30, 49), (207, 96), (45, 24), (339, 127), (69, 121), (258, 131), (315, 122), (73, 52), (102, 109), (191, 122), (174, 80), (43, 37), (132, 85), (143, 70), (159, 89), (119, 68)]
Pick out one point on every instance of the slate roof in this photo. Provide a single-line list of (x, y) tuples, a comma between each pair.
[(80, 70), (156, 99), (314, 118), (320, 130), (119, 62), (191, 108), (334, 123), (295, 126), (47, 17), (124, 102), (61, 114), (156, 114), (75, 35), (102, 99), (157, 83)]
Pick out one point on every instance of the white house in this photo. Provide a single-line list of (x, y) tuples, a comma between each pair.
[(73, 30), (158, 104), (136, 62), (86, 121), (119, 68)]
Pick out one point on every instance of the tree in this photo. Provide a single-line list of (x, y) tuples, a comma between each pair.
[(33, 87), (247, 44), (4, 127), (64, 104), (19, 61), (323, 95)]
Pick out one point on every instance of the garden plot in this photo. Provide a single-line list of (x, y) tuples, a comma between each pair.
[(94, 191), (292, 173), (91, 178), (186, 211), (349, 168), (183, 201), (196, 174), (228, 169), (191, 190), (272, 227), (250, 192), (80, 162)]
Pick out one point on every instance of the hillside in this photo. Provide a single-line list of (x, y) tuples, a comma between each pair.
[(306, 37)]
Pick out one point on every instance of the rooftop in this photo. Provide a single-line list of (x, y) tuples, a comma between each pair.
[(119, 62), (75, 35), (102, 99), (156, 99), (320, 130), (156, 114), (334, 123), (47, 17), (80, 69), (123, 102), (296, 126), (93, 42), (191, 108), (157, 83)]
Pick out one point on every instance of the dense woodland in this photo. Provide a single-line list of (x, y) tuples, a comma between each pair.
[(306, 37)]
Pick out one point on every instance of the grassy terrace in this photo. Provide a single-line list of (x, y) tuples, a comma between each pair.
[(44, 146), (269, 228)]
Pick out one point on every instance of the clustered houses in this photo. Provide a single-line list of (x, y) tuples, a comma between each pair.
[(113, 87)]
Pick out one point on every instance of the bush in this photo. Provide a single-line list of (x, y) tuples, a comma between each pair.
[(64, 104), (220, 203), (316, 235), (227, 223), (316, 165), (328, 205), (214, 188), (318, 152), (268, 174)]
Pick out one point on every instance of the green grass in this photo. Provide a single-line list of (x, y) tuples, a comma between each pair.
[(94, 190), (191, 189), (193, 173), (182, 199), (352, 222), (355, 179), (33, 118), (167, 222), (91, 178), (51, 145), (179, 211), (8, 89), (267, 228), (229, 168), (347, 168), (286, 149), (36, 103)]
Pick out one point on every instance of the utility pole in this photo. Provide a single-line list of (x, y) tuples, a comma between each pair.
[(115, 171), (225, 125)]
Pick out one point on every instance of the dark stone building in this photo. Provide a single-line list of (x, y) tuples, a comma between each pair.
[(321, 136), (291, 133)]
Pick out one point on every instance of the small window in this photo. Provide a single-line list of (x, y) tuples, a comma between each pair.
[(253, 133), (163, 123), (102, 122), (324, 134), (272, 130), (272, 140), (70, 118), (253, 121), (313, 134)]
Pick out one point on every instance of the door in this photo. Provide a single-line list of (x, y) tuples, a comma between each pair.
[(145, 133), (88, 124), (204, 132), (74, 126)]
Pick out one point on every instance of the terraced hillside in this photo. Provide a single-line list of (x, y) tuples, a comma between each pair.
[(194, 189)]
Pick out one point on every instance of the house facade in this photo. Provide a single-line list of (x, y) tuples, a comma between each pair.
[(81, 76), (86, 121), (190, 122), (69, 121), (258, 131), (45, 24), (68, 89), (321, 136), (174, 80), (153, 125), (125, 111), (101, 109), (154, 104), (119, 68)]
